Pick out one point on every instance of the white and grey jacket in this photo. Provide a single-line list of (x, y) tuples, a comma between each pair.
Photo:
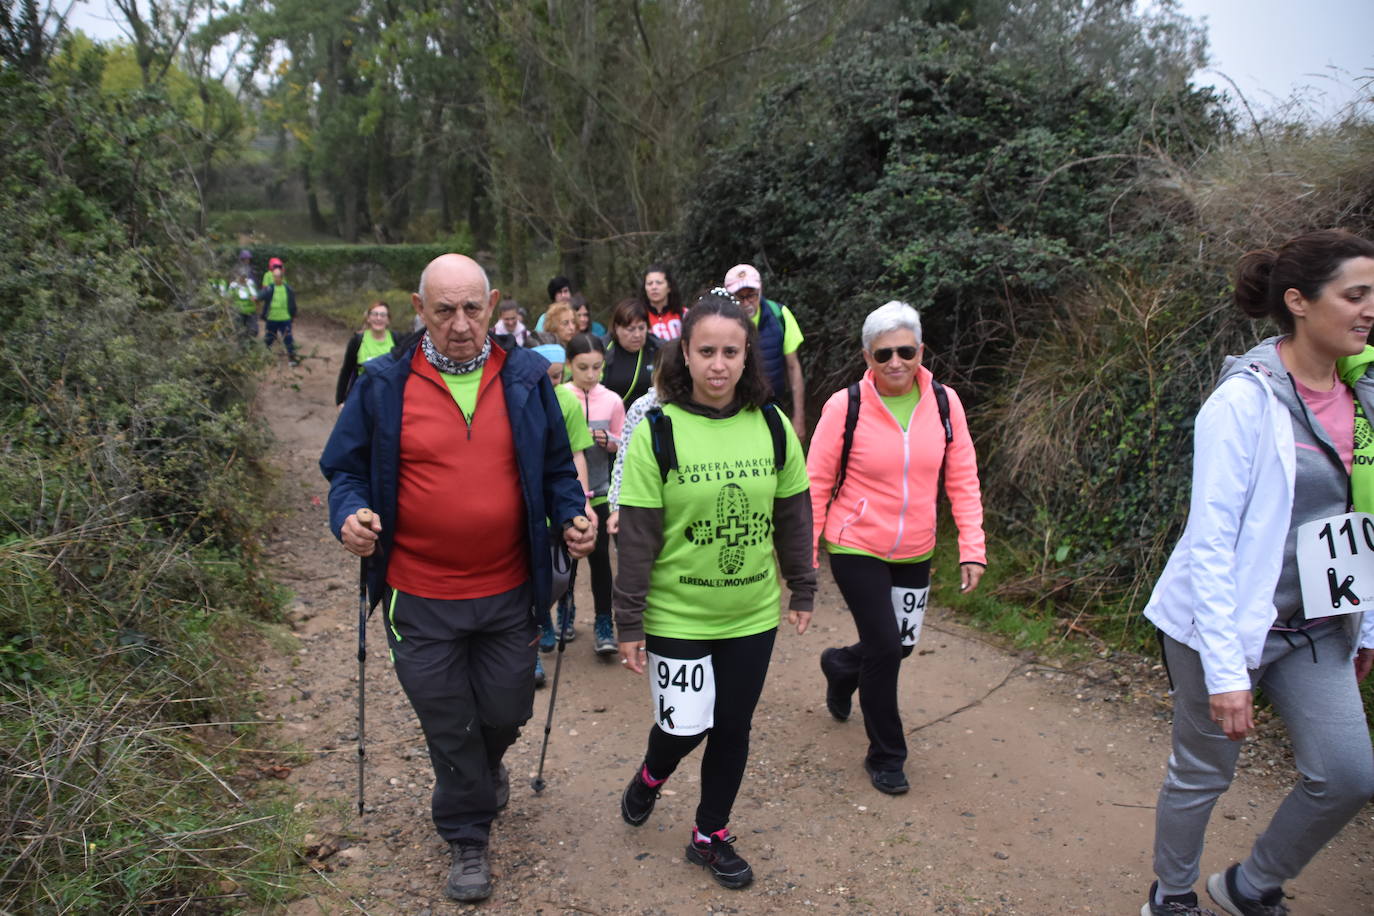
[(1232, 574)]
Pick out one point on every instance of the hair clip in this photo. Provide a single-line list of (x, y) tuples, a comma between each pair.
[(725, 293)]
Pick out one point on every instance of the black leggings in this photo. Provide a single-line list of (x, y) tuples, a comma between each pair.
[(740, 667), (873, 663), (600, 562)]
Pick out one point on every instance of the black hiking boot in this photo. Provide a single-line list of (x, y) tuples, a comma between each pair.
[(470, 876), (720, 859)]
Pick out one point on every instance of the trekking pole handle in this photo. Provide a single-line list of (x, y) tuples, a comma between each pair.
[(580, 522), (366, 515)]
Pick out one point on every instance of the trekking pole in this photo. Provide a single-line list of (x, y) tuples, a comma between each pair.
[(537, 784), (364, 518)]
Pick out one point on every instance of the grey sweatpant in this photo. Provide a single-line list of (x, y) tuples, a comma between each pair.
[(1320, 705), (467, 667)]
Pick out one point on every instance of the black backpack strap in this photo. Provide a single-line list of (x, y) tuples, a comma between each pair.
[(851, 420), (661, 438), (942, 402), (772, 414)]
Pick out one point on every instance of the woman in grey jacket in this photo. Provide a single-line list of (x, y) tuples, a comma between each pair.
[(1274, 449)]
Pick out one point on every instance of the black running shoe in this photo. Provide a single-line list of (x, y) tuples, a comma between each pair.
[(637, 803), (1176, 905), (838, 699), (720, 859), (893, 782), (1221, 887)]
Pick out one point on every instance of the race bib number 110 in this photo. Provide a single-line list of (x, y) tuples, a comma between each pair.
[(1336, 564), (684, 691)]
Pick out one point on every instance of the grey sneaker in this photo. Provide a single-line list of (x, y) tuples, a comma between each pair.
[(1177, 905), (470, 876), (1221, 887), (605, 635)]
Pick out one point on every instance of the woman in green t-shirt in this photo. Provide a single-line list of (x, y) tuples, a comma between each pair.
[(707, 496), (372, 341)]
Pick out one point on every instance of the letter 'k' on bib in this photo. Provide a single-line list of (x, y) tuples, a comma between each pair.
[(909, 604)]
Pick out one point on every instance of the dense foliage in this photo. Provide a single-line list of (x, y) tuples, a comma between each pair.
[(130, 498), (909, 165)]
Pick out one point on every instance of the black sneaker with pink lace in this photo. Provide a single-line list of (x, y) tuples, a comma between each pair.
[(718, 855)]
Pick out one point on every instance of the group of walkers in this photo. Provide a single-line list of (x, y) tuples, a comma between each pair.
[(680, 434), (272, 299)]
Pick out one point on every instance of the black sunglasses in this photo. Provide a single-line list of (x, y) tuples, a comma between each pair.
[(883, 354)]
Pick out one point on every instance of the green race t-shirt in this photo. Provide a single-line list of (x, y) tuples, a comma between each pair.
[(371, 347), (579, 436), (280, 307), (464, 389), (902, 406), (715, 577)]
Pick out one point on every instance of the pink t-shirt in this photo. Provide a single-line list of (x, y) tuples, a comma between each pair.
[(1335, 411)]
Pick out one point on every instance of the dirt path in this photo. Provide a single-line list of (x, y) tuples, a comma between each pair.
[(1032, 788)]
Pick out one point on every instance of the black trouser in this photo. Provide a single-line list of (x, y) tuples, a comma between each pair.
[(283, 328), (740, 668), (467, 667), (600, 562), (872, 664)]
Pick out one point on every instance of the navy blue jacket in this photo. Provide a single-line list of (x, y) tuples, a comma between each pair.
[(362, 457), (265, 297), (771, 330)]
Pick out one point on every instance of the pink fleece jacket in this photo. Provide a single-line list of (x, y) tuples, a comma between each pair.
[(887, 504)]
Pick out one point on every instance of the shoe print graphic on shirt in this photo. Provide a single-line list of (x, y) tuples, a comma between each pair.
[(735, 527)]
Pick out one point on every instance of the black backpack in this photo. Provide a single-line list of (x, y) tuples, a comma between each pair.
[(851, 420), (661, 433)]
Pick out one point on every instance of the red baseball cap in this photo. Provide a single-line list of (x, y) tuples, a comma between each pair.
[(275, 262)]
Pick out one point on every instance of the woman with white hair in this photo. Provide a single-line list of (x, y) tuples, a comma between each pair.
[(875, 463)]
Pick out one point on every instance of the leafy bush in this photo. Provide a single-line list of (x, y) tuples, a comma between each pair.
[(911, 164), (130, 499)]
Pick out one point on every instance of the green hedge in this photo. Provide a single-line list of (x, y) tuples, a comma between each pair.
[(316, 269)]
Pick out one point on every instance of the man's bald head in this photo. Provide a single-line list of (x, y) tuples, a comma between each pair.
[(445, 264), (455, 301)]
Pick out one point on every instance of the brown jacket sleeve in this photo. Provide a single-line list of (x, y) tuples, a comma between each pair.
[(637, 547), (792, 541)]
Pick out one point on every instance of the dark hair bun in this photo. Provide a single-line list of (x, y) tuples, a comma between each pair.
[(1252, 283)]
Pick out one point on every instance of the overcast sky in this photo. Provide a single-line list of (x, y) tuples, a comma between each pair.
[(1270, 48), (1273, 48)]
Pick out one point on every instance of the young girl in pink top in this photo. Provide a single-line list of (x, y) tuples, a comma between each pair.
[(605, 414)]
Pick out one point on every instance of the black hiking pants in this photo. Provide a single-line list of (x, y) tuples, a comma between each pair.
[(873, 663), (467, 667), (740, 664)]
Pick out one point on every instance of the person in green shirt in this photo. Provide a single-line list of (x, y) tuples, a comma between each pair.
[(278, 308), (373, 340), (780, 337), (696, 596), (579, 440)]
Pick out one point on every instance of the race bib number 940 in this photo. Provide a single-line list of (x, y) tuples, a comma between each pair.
[(1336, 564), (909, 604), (684, 691)]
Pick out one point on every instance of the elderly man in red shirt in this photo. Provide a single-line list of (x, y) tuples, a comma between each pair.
[(461, 451)]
